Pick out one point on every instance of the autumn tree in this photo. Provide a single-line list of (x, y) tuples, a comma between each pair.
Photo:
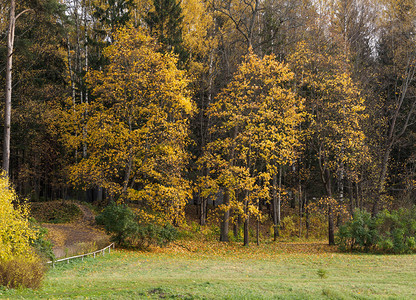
[(337, 112), (283, 24), (243, 15), (255, 128), (395, 88), (112, 14), (137, 127), (200, 42)]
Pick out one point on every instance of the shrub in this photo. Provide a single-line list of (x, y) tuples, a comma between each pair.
[(385, 245), (151, 234), (398, 227), (288, 227), (15, 230), (40, 243), (120, 221), (358, 234), (128, 231), (318, 226), (19, 265), (411, 243), (388, 232), (21, 272), (166, 234)]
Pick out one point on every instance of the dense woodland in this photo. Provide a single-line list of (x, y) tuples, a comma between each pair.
[(252, 105)]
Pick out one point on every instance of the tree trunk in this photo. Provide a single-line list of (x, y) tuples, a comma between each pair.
[(202, 212), (382, 178), (331, 238), (277, 199), (274, 207), (246, 223), (246, 231), (351, 192), (258, 232), (326, 179), (258, 223), (331, 229), (306, 217), (99, 194), (225, 220), (129, 164), (235, 226), (8, 98), (85, 90), (300, 210), (279, 195), (127, 176)]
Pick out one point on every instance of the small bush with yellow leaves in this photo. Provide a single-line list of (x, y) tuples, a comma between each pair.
[(22, 272), (19, 265)]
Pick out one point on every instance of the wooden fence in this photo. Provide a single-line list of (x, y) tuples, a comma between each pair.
[(67, 259)]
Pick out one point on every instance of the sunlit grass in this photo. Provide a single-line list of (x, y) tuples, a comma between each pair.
[(188, 270)]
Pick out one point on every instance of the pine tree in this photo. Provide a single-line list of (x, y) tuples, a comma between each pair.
[(165, 22)]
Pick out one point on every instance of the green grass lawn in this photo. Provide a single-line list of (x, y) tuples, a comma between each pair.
[(230, 272)]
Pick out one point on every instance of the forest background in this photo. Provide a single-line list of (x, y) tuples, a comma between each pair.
[(253, 105)]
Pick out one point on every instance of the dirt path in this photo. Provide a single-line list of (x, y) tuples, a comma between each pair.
[(77, 237), (88, 217)]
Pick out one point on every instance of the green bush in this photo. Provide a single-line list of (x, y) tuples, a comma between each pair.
[(388, 232), (21, 272), (166, 234), (411, 243), (40, 243), (385, 246), (128, 231), (358, 234), (120, 221), (399, 227)]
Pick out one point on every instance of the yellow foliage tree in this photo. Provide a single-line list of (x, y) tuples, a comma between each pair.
[(256, 127), (337, 114), (137, 127), (197, 23)]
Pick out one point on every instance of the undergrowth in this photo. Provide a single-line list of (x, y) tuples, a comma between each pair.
[(55, 211), (22, 272)]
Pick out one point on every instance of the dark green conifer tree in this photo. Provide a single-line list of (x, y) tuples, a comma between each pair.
[(165, 22)]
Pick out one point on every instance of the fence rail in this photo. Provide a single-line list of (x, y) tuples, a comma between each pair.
[(67, 259)]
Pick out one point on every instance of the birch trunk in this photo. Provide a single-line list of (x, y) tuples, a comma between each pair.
[(8, 99)]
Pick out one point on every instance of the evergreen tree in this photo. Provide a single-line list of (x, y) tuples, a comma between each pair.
[(112, 14), (165, 22)]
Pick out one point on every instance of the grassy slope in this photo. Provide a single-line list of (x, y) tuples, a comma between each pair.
[(192, 271)]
